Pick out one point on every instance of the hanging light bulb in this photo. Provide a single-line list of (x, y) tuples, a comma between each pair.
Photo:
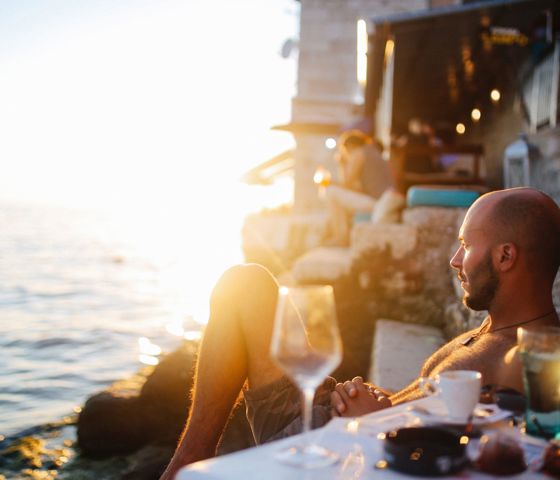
[(330, 143), (460, 128)]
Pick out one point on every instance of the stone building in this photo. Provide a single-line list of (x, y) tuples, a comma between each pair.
[(483, 73), (330, 96)]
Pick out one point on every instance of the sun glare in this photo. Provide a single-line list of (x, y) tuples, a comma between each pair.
[(150, 112), (125, 101)]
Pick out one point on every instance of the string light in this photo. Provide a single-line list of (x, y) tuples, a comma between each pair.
[(460, 128), (476, 114), (495, 95)]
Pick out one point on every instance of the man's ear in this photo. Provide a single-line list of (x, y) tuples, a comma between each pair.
[(505, 256)]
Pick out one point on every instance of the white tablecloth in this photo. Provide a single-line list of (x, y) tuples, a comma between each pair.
[(355, 440)]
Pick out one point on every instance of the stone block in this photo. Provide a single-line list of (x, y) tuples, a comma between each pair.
[(437, 227), (399, 351), (368, 236), (441, 217), (271, 232), (322, 265), (277, 231)]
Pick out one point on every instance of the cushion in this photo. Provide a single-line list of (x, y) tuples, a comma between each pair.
[(440, 197)]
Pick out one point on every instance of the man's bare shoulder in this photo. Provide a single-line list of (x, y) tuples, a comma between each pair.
[(485, 353), (441, 356)]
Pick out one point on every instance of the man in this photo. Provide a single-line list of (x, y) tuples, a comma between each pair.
[(363, 177), (507, 261)]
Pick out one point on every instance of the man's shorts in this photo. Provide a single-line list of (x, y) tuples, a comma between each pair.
[(274, 410)]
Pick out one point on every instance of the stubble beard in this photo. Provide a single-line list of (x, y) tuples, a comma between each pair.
[(484, 284)]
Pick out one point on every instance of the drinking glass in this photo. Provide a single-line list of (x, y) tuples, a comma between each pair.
[(540, 356), (306, 345)]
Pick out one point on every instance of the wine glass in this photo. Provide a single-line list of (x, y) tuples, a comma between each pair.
[(306, 345)]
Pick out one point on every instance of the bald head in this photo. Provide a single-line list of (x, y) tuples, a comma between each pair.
[(528, 218)]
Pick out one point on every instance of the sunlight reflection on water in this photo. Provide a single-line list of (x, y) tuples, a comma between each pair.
[(90, 296)]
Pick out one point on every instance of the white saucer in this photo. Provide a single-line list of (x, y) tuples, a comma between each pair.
[(483, 414)]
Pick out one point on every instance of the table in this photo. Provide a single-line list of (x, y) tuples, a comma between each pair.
[(355, 440)]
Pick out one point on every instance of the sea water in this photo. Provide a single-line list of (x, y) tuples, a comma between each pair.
[(89, 297)]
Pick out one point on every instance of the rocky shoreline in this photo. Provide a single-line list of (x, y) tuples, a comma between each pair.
[(129, 430)]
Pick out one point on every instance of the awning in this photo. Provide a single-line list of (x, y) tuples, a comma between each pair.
[(266, 172), (446, 60), (310, 128)]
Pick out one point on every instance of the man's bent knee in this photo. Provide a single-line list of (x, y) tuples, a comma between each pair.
[(238, 276)]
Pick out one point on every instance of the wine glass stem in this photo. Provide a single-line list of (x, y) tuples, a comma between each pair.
[(307, 404)]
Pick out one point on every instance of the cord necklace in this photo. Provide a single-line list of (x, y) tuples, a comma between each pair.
[(470, 339)]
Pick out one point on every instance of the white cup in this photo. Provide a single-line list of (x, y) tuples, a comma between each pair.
[(458, 389)]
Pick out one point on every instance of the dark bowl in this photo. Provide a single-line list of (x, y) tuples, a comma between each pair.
[(425, 451)]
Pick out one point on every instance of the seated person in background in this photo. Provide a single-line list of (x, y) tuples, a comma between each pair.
[(363, 177), (507, 260), (418, 160), (420, 134)]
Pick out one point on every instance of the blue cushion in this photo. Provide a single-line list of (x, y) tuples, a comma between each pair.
[(440, 197), (362, 217)]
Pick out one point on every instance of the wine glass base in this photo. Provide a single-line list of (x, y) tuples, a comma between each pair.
[(307, 456)]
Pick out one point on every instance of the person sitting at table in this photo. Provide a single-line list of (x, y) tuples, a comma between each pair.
[(363, 176), (507, 260)]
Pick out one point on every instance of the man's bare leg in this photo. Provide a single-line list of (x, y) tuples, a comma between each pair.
[(234, 349)]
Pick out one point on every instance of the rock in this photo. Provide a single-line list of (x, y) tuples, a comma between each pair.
[(369, 236), (434, 223), (404, 270), (356, 322), (322, 265), (166, 392), (276, 238), (149, 420), (149, 463), (116, 422), (110, 424)]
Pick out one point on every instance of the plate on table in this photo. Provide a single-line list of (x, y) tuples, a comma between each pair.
[(483, 414)]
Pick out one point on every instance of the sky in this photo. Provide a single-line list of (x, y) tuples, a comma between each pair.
[(105, 101)]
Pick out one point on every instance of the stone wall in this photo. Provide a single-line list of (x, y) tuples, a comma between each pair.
[(327, 88), (545, 175), (403, 269), (545, 170), (276, 238), (399, 272)]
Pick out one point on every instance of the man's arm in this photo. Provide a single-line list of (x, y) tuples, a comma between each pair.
[(412, 392)]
